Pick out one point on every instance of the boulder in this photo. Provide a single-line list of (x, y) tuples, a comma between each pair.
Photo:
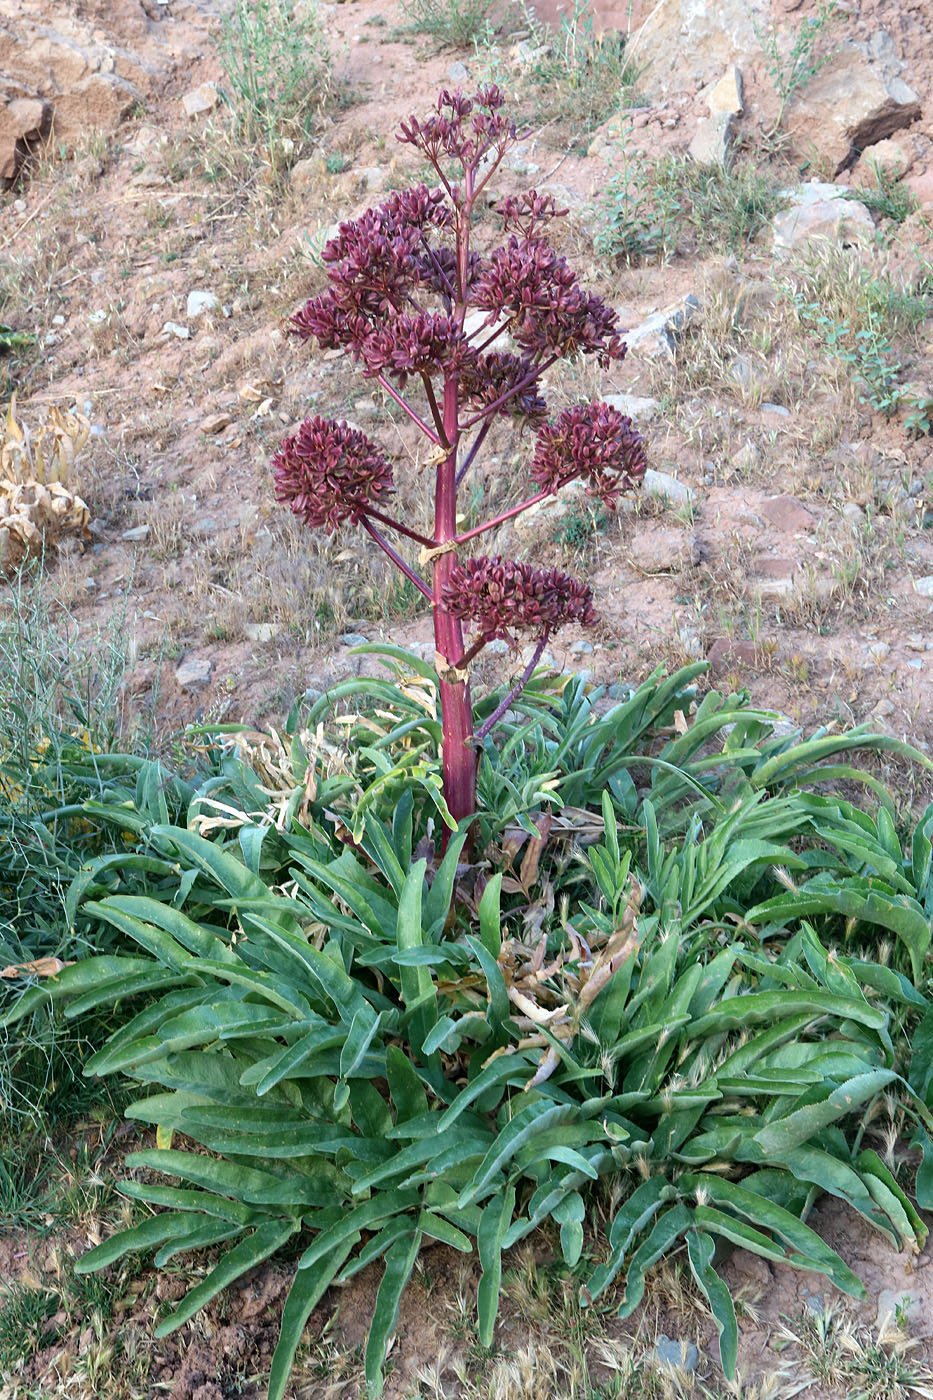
[(690, 43), (712, 141), (818, 210), (659, 334), (857, 100), (25, 122), (200, 100)]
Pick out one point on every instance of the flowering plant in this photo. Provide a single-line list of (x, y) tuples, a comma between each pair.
[(418, 306)]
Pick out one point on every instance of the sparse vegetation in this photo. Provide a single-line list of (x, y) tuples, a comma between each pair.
[(577, 72), (792, 67), (459, 23)]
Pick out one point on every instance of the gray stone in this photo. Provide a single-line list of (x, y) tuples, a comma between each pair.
[(818, 210), (193, 672), (661, 485), (660, 333), (777, 408), (640, 408), (619, 691), (924, 586), (179, 332), (303, 174), (684, 1355), (581, 647), (200, 100), (664, 551), (199, 302), (878, 650), (497, 647), (712, 140), (262, 631), (747, 458), (354, 639), (458, 72), (138, 532)]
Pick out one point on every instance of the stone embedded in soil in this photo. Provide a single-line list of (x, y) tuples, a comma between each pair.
[(200, 100), (684, 1355), (665, 487), (726, 655), (659, 334), (25, 123), (178, 331), (262, 631), (639, 408), (137, 532), (199, 302), (712, 140), (664, 551), (818, 210), (924, 586), (354, 639), (786, 514), (194, 672)]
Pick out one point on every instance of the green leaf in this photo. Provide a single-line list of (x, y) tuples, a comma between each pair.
[(238, 1260), (528, 1123), (493, 1224), (246, 1184), (805, 1123), (165, 1226), (400, 1260), (490, 921), (407, 1090), (700, 1250), (307, 1290), (665, 1233)]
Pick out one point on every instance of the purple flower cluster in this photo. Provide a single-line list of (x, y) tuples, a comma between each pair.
[(504, 596), (524, 212), (465, 128), (592, 442), (552, 315), (485, 379), (328, 472)]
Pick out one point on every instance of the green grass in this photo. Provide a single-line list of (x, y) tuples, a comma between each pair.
[(578, 73)]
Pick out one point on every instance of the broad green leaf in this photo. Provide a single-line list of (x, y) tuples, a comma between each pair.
[(307, 1290), (493, 1224), (700, 1250), (400, 1260), (236, 1261)]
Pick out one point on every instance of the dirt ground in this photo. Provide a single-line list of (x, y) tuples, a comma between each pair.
[(792, 569)]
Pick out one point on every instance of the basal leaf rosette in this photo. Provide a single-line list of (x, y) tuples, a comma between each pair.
[(503, 597), (592, 442), (328, 473)]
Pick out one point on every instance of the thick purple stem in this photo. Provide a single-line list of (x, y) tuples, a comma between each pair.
[(516, 690)]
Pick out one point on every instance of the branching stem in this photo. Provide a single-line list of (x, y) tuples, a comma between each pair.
[(516, 690), (396, 558)]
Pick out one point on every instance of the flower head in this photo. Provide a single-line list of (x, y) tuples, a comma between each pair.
[(418, 344), (328, 472), (524, 212), (486, 378), (551, 314), (593, 442), (503, 596), (465, 128)]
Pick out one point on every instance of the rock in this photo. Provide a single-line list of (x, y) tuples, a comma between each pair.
[(747, 459), (497, 647), (303, 175), (619, 691), (712, 141), (924, 586), (200, 100), (659, 334), (858, 99), (138, 532), (458, 72), (179, 332), (200, 302), (581, 647), (665, 487), (354, 639), (25, 123), (878, 650), (819, 210), (777, 408), (639, 409), (663, 551), (853, 512), (372, 178), (725, 98), (215, 423), (786, 514), (193, 672), (684, 1355), (262, 631), (686, 44), (889, 156), (921, 187)]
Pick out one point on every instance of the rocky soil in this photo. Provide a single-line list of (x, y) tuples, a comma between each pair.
[(785, 534)]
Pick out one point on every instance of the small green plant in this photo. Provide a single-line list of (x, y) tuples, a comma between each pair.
[(918, 421), (580, 74), (890, 198), (637, 218), (792, 70), (459, 23), (336, 163), (25, 1322), (277, 73)]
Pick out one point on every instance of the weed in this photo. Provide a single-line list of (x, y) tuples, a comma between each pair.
[(790, 72), (459, 23), (278, 73), (25, 1322), (636, 220), (580, 74), (336, 163), (890, 198)]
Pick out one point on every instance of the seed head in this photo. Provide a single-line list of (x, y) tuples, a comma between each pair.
[(504, 596), (595, 443), (328, 472)]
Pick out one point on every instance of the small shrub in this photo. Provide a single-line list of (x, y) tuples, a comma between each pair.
[(579, 74), (459, 23), (790, 71), (890, 198), (277, 73)]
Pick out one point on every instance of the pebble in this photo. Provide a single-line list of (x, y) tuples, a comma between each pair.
[(879, 650), (193, 672), (660, 484), (681, 1354), (138, 532), (497, 647), (619, 691), (200, 302), (458, 72), (924, 586), (635, 406), (777, 408), (262, 631), (581, 647), (179, 332), (354, 639)]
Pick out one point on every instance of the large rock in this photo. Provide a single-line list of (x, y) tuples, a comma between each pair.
[(690, 43), (25, 123), (817, 210), (857, 100), (712, 140)]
